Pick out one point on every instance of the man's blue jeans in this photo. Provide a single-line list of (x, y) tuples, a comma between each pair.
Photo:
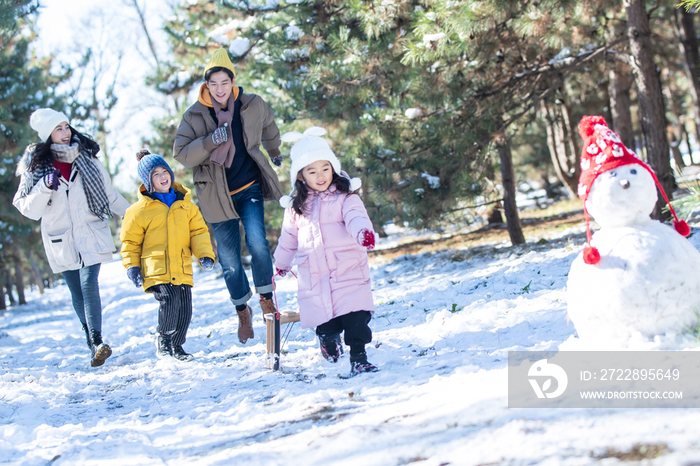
[(85, 293), (249, 204)]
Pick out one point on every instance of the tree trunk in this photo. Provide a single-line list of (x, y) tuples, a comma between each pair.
[(675, 150), (3, 305), (563, 147), (509, 206), (689, 46), (19, 279), (364, 195), (494, 215), (653, 119), (8, 286), (685, 134), (37, 276), (620, 102)]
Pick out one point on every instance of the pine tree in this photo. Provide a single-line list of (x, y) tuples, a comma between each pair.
[(494, 63), (337, 64), (421, 99), (25, 85)]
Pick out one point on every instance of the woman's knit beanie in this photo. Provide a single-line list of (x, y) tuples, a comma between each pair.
[(45, 120)]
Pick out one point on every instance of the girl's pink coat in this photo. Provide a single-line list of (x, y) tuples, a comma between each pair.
[(333, 269)]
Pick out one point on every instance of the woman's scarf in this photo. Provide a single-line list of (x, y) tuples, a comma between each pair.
[(29, 179), (90, 176)]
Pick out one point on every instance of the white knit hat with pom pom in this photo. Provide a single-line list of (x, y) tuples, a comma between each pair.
[(308, 148)]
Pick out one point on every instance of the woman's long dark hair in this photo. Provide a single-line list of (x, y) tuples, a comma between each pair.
[(42, 151), (341, 183)]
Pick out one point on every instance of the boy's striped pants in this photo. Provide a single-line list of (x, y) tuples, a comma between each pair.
[(175, 312)]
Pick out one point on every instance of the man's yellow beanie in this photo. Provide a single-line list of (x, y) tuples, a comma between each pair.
[(220, 59)]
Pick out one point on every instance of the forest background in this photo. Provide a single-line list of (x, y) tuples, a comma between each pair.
[(443, 108)]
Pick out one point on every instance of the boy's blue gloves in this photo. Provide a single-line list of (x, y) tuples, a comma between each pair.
[(134, 274), (207, 263)]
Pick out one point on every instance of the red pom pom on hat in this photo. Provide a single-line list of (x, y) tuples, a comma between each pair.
[(681, 227), (591, 255), (586, 126)]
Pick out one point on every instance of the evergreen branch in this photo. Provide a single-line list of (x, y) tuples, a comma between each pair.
[(654, 8), (253, 11), (475, 206), (689, 4), (400, 186), (625, 58), (565, 71), (563, 68)]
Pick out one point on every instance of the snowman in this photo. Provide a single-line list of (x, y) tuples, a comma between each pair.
[(638, 278)]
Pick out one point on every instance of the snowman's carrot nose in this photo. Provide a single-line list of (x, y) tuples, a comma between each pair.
[(625, 184)]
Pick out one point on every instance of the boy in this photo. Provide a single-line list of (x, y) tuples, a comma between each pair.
[(159, 234)]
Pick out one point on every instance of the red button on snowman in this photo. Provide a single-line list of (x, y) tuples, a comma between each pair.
[(637, 278)]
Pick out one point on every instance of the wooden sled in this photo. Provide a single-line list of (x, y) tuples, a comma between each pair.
[(274, 334)]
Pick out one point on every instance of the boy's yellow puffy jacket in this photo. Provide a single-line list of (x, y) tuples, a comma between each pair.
[(161, 240)]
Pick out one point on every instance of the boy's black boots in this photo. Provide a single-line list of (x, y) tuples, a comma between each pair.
[(164, 346), (180, 354)]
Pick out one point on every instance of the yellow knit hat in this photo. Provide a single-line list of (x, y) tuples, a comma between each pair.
[(220, 58)]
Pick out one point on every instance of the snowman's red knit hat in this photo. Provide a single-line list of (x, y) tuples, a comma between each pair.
[(602, 151)]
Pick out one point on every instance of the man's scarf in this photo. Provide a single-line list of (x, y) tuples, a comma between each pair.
[(224, 152)]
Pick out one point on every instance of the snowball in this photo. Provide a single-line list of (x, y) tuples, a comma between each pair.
[(433, 181), (427, 38), (412, 113), (239, 47), (294, 33)]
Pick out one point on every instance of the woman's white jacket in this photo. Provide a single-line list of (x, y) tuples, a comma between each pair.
[(73, 236)]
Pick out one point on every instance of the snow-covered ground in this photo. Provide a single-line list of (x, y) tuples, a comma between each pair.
[(444, 324)]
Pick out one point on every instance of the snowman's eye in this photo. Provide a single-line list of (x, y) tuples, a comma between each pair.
[(612, 173), (633, 171)]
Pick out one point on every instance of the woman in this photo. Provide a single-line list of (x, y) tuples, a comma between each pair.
[(65, 186)]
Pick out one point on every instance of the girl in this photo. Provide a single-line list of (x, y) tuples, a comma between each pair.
[(160, 232), (65, 186), (327, 228)]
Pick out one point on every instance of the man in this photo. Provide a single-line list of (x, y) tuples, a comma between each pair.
[(219, 137)]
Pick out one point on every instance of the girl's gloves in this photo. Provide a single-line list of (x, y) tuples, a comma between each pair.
[(53, 179), (207, 263), (281, 272), (220, 135), (134, 274), (366, 239), (277, 160)]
